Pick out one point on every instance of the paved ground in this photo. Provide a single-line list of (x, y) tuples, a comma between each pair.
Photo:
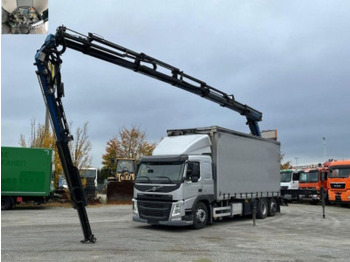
[(299, 233)]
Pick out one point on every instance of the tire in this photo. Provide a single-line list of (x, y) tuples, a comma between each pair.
[(262, 208), (272, 207), (6, 203), (200, 216)]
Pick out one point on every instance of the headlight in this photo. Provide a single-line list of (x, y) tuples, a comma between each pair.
[(134, 206), (177, 209)]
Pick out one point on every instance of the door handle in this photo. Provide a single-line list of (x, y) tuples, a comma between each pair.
[(200, 190)]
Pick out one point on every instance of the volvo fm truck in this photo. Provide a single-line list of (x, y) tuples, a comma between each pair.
[(199, 175)]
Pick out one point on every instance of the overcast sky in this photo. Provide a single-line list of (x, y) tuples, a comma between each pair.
[(288, 59)]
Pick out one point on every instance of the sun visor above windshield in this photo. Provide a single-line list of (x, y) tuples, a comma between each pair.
[(186, 144)]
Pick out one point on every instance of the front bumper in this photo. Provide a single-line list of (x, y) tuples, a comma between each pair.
[(136, 218), (339, 197), (161, 213)]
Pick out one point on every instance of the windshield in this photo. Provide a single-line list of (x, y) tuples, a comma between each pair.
[(160, 172), (311, 176), (339, 172), (88, 173), (125, 165), (286, 176)]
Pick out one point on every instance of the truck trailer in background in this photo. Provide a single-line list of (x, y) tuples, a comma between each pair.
[(199, 175), (339, 182), (27, 174)]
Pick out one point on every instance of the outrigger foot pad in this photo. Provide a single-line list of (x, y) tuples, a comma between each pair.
[(92, 239)]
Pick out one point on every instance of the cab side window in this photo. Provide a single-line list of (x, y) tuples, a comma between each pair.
[(193, 169), (296, 176)]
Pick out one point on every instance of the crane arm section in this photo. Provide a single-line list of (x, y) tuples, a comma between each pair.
[(96, 46)]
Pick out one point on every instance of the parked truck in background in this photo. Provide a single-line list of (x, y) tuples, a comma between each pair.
[(195, 176), (339, 182), (27, 174), (314, 180), (89, 175), (290, 182)]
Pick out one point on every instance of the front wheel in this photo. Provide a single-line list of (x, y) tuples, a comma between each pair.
[(200, 216)]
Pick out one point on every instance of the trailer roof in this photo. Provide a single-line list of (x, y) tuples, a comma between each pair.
[(212, 130)]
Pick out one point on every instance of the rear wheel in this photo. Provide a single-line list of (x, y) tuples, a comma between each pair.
[(272, 207), (262, 208), (200, 216)]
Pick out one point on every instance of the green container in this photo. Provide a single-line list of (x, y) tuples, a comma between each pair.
[(26, 171)]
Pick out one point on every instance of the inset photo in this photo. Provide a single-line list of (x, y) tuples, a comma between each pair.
[(25, 16)]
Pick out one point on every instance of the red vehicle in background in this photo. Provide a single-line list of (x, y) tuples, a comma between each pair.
[(314, 179), (339, 182)]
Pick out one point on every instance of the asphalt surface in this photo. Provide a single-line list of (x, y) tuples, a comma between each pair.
[(298, 233)]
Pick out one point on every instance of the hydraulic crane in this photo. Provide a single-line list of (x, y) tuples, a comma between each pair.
[(48, 61)]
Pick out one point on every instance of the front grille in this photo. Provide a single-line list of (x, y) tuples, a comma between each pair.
[(154, 210), (284, 187), (338, 185)]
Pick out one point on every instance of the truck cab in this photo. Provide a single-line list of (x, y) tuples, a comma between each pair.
[(125, 169), (290, 178), (339, 182), (169, 183), (290, 181), (314, 179)]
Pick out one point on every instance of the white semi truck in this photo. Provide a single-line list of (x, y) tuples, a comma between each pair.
[(198, 175)]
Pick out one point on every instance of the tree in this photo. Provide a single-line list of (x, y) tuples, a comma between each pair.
[(41, 137), (285, 165), (80, 148), (130, 144)]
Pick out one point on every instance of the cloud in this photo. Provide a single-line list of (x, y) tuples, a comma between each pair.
[(288, 60)]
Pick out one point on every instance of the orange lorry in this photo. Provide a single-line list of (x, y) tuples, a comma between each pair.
[(314, 179), (339, 182)]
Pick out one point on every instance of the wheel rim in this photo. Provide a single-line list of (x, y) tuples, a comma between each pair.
[(263, 208), (201, 215), (273, 206)]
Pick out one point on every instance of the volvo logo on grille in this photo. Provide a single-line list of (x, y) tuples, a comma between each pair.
[(154, 189)]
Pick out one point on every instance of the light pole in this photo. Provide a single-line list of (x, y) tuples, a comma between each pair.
[(324, 149), (296, 161)]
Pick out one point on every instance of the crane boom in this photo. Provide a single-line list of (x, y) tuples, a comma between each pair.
[(48, 62)]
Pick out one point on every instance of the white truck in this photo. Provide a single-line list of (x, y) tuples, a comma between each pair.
[(198, 175), (290, 182)]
